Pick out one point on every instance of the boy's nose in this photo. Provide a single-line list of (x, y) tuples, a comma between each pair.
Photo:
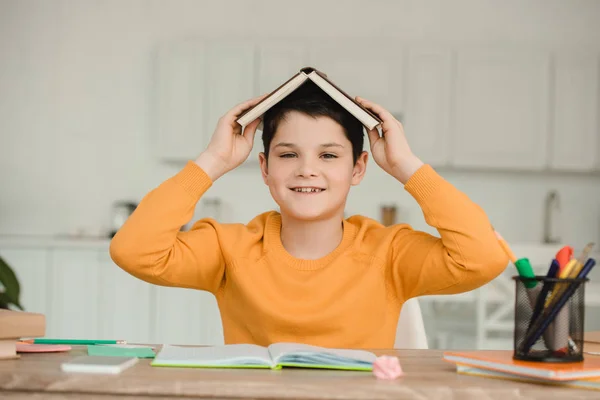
[(306, 169)]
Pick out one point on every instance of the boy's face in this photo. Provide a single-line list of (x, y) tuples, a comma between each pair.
[(310, 167)]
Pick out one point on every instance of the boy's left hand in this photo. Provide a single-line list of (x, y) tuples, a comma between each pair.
[(391, 151)]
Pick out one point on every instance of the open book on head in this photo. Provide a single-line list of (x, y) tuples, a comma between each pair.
[(275, 356), (366, 117)]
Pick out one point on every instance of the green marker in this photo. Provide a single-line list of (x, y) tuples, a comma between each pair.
[(526, 271)]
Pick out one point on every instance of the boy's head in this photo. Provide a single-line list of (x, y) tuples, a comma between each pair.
[(310, 100), (313, 154)]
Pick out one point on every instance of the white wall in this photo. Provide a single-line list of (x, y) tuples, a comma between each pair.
[(76, 102)]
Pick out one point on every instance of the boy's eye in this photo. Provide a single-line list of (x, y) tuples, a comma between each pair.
[(287, 155), (329, 155)]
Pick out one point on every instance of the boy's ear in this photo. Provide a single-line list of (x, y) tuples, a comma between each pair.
[(360, 168), (262, 159)]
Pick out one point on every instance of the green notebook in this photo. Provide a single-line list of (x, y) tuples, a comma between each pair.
[(121, 351), (275, 356)]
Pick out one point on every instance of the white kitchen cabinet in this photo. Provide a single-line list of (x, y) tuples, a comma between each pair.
[(364, 69), (427, 117), (84, 295), (75, 294), (231, 79), (576, 133), (180, 99), (186, 316), (501, 110), (198, 82), (126, 303), (29, 265)]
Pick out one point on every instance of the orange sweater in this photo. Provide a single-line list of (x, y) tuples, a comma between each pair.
[(350, 298)]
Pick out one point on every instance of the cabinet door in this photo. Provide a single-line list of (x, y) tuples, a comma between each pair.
[(426, 121), (31, 268), (278, 62), (501, 116), (575, 138), (231, 77), (75, 293), (186, 316), (180, 101), (125, 303), (364, 70)]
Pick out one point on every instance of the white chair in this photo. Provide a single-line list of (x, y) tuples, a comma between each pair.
[(410, 333)]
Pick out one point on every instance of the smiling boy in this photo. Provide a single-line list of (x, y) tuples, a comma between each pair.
[(306, 274)]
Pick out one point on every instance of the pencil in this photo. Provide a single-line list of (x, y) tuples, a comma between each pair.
[(72, 341), (506, 248)]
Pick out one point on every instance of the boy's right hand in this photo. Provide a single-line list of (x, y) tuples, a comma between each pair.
[(228, 148)]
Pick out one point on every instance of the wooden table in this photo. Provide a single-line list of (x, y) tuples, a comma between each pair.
[(38, 376)]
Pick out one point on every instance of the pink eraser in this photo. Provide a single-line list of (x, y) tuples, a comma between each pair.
[(387, 367)]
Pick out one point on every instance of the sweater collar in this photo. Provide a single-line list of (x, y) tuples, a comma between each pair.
[(275, 246)]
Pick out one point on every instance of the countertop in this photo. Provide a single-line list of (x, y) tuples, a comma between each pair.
[(58, 241)]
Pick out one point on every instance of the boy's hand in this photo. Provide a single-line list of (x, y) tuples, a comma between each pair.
[(391, 151), (228, 148)]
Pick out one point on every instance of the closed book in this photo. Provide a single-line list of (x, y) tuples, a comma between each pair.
[(591, 384), (15, 325), (503, 361)]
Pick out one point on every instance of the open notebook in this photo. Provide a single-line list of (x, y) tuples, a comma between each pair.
[(275, 356)]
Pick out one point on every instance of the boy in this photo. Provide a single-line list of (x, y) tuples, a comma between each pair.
[(306, 274)]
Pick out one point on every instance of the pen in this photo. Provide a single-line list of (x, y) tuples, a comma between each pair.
[(565, 273), (558, 330), (534, 294), (539, 305), (542, 324), (585, 253), (571, 270), (72, 341)]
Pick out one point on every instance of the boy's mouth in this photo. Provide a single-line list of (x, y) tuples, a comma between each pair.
[(307, 189)]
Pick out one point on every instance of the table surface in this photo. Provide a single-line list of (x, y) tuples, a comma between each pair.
[(427, 376)]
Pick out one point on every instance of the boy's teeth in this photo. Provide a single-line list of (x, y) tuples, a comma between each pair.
[(307, 190)]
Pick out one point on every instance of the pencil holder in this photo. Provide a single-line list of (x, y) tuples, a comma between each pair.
[(549, 319)]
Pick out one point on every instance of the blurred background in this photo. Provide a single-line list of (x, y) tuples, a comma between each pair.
[(100, 101)]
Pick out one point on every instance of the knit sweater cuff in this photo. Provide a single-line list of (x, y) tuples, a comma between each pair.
[(193, 180), (424, 182)]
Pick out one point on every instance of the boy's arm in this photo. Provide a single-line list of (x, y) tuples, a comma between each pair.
[(468, 254), (151, 246)]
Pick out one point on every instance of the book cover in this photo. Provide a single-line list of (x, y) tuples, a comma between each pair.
[(366, 117)]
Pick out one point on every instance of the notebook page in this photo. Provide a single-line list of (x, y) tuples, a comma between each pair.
[(277, 350), (213, 355)]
